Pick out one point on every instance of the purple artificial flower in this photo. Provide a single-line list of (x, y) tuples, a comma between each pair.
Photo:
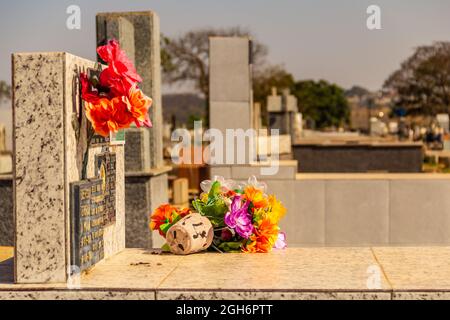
[(281, 242), (239, 219)]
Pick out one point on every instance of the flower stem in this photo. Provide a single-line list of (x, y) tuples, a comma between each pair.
[(215, 248), (90, 135)]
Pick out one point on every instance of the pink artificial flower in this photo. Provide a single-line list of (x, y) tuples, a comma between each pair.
[(281, 242), (239, 218)]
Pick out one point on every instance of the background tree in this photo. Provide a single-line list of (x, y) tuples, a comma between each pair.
[(423, 81), (322, 102), (186, 58)]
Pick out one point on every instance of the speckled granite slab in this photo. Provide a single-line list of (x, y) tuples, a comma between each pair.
[(48, 157)]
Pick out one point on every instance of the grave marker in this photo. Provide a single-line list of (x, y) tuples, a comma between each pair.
[(87, 210), (50, 142)]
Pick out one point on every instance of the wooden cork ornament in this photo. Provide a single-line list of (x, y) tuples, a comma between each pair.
[(193, 233)]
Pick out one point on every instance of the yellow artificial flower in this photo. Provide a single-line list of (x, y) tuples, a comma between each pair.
[(276, 208), (204, 197)]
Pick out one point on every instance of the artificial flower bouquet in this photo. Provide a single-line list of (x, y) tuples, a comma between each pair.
[(237, 217), (113, 100)]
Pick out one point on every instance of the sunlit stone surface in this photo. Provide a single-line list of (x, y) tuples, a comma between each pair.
[(313, 273)]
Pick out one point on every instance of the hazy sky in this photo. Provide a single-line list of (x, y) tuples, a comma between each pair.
[(315, 39)]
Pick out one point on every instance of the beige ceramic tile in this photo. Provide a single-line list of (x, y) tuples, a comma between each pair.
[(131, 271), (419, 212), (292, 269), (349, 220), (414, 268), (305, 224)]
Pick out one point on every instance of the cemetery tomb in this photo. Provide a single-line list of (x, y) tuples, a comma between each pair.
[(55, 166)]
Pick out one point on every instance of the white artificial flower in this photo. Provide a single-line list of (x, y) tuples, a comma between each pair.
[(227, 184), (252, 181)]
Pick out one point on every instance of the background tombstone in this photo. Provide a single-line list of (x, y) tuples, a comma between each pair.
[(283, 113), (48, 158), (6, 211), (230, 83), (146, 176)]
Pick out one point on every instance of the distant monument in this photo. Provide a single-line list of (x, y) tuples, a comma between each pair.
[(283, 114)]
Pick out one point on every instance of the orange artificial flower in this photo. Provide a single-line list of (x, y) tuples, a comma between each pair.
[(121, 115), (138, 106), (99, 114), (165, 216), (109, 115), (264, 238), (162, 215), (255, 196), (276, 209)]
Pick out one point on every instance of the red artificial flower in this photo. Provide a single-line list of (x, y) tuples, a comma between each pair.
[(121, 74), (87, 93)]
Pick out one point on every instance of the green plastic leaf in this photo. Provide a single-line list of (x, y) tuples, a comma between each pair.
[(231, 246), (165, 248), (215, 190), (165, 227)]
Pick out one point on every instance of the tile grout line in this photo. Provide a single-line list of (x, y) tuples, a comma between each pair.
[(383, 271), (164, 279)]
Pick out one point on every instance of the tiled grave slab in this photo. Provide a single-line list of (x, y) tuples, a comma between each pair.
[(298, 274), (416, 268), (294, 269)]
